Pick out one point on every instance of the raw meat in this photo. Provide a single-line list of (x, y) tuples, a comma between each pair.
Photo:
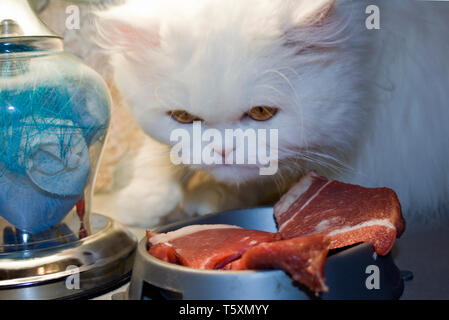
[(345, 213), (206, 246), (303, 258), (233, 248), (316, 215)]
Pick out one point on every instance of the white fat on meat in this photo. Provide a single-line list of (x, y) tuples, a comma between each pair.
[(305, 205), (169, 236), (375, 222), (295, 192)]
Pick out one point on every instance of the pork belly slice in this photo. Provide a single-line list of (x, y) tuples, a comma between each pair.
[(345, 213), (206, 246), (303, 258)]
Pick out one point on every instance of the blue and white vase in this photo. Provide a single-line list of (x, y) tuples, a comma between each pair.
[(54, 116)]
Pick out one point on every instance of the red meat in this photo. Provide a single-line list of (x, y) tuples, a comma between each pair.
[(345, 213), (316, 215), (233, 248), (303, 258), (206, 246)]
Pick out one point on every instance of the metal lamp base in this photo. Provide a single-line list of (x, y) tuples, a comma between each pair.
[(79, 269)]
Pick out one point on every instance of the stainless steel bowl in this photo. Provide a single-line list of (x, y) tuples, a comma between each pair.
[(349, 273)]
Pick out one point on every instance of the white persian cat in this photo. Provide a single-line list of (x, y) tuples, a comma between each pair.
[(369, 107)]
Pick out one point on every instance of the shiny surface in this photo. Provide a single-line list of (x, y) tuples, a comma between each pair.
[(54, 116), (17, 19), (100, 260), (345, 271)]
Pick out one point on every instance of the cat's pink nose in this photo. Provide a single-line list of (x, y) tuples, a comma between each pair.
[(223, 152)]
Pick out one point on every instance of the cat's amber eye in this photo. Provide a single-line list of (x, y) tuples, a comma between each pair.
[(183, 116), (262, 113)]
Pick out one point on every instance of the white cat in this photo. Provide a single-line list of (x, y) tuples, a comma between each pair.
[(365, 106)]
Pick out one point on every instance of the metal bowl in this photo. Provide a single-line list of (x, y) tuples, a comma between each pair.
[(353, 273)]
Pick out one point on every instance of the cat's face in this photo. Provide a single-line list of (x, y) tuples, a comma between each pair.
[(231, 64)]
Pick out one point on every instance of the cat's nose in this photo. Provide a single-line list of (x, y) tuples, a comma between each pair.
[(223, 152)]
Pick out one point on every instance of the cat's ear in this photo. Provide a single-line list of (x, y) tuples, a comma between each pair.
[(119, 31), (309, 13)]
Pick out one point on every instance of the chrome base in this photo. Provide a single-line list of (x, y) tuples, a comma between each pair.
[(79, 269)]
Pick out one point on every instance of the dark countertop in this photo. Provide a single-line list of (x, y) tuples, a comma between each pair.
[(424, 251)]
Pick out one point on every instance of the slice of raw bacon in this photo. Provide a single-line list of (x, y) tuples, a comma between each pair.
[(345, 213)]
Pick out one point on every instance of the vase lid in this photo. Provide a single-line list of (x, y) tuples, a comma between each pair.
[(18, 20)]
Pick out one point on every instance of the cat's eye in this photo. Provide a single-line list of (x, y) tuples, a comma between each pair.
[(183, 116), (262, 113)]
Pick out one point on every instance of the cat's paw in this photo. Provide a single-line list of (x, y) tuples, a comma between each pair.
[(152, 193), (145, 204), (209, 198), (140, 205)]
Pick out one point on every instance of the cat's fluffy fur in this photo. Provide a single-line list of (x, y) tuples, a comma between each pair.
[(365, 106)]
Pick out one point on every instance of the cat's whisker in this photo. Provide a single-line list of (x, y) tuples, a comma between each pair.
[(298, 110), (278, 181), (270, 87), (296, 73), (328, 161), (282, 76), (327, 156), (299, 158)]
